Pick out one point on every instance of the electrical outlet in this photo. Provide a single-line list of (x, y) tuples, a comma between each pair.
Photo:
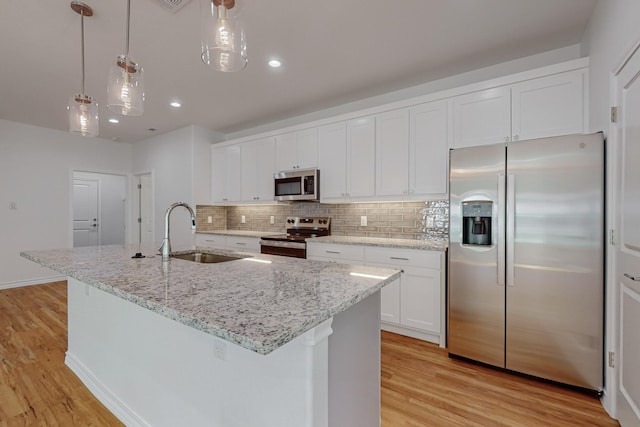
[(243, 219), (363, 220), (209, 219), (429, 221), (220, 350), (272, 219)]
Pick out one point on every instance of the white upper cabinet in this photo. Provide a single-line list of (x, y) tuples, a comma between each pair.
[(548, 106), (481, 118), (411, 151), (429, 148), (537, 108), (258, 167), (392, 153), (226, 174), (332, 160), (361, 156), (297, 150), (347, 159)]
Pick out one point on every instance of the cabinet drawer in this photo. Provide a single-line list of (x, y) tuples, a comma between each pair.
[(211, 241), (405, 257), (338, 252), (251, 244)]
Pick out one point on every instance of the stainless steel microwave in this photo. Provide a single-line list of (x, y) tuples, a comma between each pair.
[(297, 185)]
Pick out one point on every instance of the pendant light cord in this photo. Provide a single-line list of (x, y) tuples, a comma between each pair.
[(126, 52), (82, 48)]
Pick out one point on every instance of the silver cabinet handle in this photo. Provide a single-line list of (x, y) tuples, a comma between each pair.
[(632, 277), (399, 258), (332, 252), (241, 243)]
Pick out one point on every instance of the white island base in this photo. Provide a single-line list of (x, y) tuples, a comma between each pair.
[(150, 370)]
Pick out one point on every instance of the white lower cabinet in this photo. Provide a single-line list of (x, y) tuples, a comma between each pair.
[(215, 241), (235, 243), (412, 305), (239, 243)]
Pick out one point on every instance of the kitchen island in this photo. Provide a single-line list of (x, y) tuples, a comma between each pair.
[(257, 341)]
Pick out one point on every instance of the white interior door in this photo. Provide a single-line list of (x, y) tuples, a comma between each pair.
[(86, 230), (627, 270)]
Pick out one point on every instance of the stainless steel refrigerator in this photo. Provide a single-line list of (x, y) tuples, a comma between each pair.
[(526, 257)]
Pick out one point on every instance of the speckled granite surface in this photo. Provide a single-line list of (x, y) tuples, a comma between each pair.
[(430, 245), (257, 305)]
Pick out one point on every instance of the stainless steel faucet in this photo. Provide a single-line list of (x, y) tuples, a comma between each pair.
[(165, 249)]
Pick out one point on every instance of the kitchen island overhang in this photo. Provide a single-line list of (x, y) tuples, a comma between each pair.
[(272, 341)]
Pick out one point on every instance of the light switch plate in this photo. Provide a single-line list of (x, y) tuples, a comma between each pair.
[(209, 219), (363, 220), (243, 219)]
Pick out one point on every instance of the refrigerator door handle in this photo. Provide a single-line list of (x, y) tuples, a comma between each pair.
[(501, 229), (511, 228)]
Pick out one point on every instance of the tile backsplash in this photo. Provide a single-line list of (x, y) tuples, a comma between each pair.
[(401, 220)]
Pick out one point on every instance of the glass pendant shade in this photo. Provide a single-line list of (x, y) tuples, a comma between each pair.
[(125, 90), (224, 45), (83, 115)]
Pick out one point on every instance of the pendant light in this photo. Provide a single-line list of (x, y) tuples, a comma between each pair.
[(125, 90), (224, 46), (83, 110)]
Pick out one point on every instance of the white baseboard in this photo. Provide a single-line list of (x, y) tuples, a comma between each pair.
[(23, 283), (400, 330), (103, 394)]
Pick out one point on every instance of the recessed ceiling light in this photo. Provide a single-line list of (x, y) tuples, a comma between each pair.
[(274, 63), (175, 104), (114, 121)]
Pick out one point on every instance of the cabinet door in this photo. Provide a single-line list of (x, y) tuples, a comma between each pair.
[(286, 152), (392, 153), (420, 297), (307, 149), (226, 174), (548, 106), (332, 153), (219, 174), (482, 118), (390, 303), (265, 168), (361, 155), (428, 148), (258, 163), (247, 244), (211, 241)]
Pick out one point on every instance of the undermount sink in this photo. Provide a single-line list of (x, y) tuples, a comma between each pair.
[(205, 258)]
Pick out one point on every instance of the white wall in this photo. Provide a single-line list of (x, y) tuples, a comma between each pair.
[(36, 167), (113, 198), (181, 170), (612, 30)]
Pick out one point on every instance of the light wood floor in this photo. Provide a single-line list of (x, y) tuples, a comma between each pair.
[(421, 386)]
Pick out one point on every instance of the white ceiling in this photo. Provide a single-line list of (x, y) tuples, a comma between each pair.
[(332, 51)]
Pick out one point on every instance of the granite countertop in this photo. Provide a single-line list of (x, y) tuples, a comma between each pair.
[(260, 302), (429, 245), (245, 233)]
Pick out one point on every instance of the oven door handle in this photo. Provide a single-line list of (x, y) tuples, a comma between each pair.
[(283, 244)]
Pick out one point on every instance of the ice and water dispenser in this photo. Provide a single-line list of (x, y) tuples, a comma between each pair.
[(476, 222)]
